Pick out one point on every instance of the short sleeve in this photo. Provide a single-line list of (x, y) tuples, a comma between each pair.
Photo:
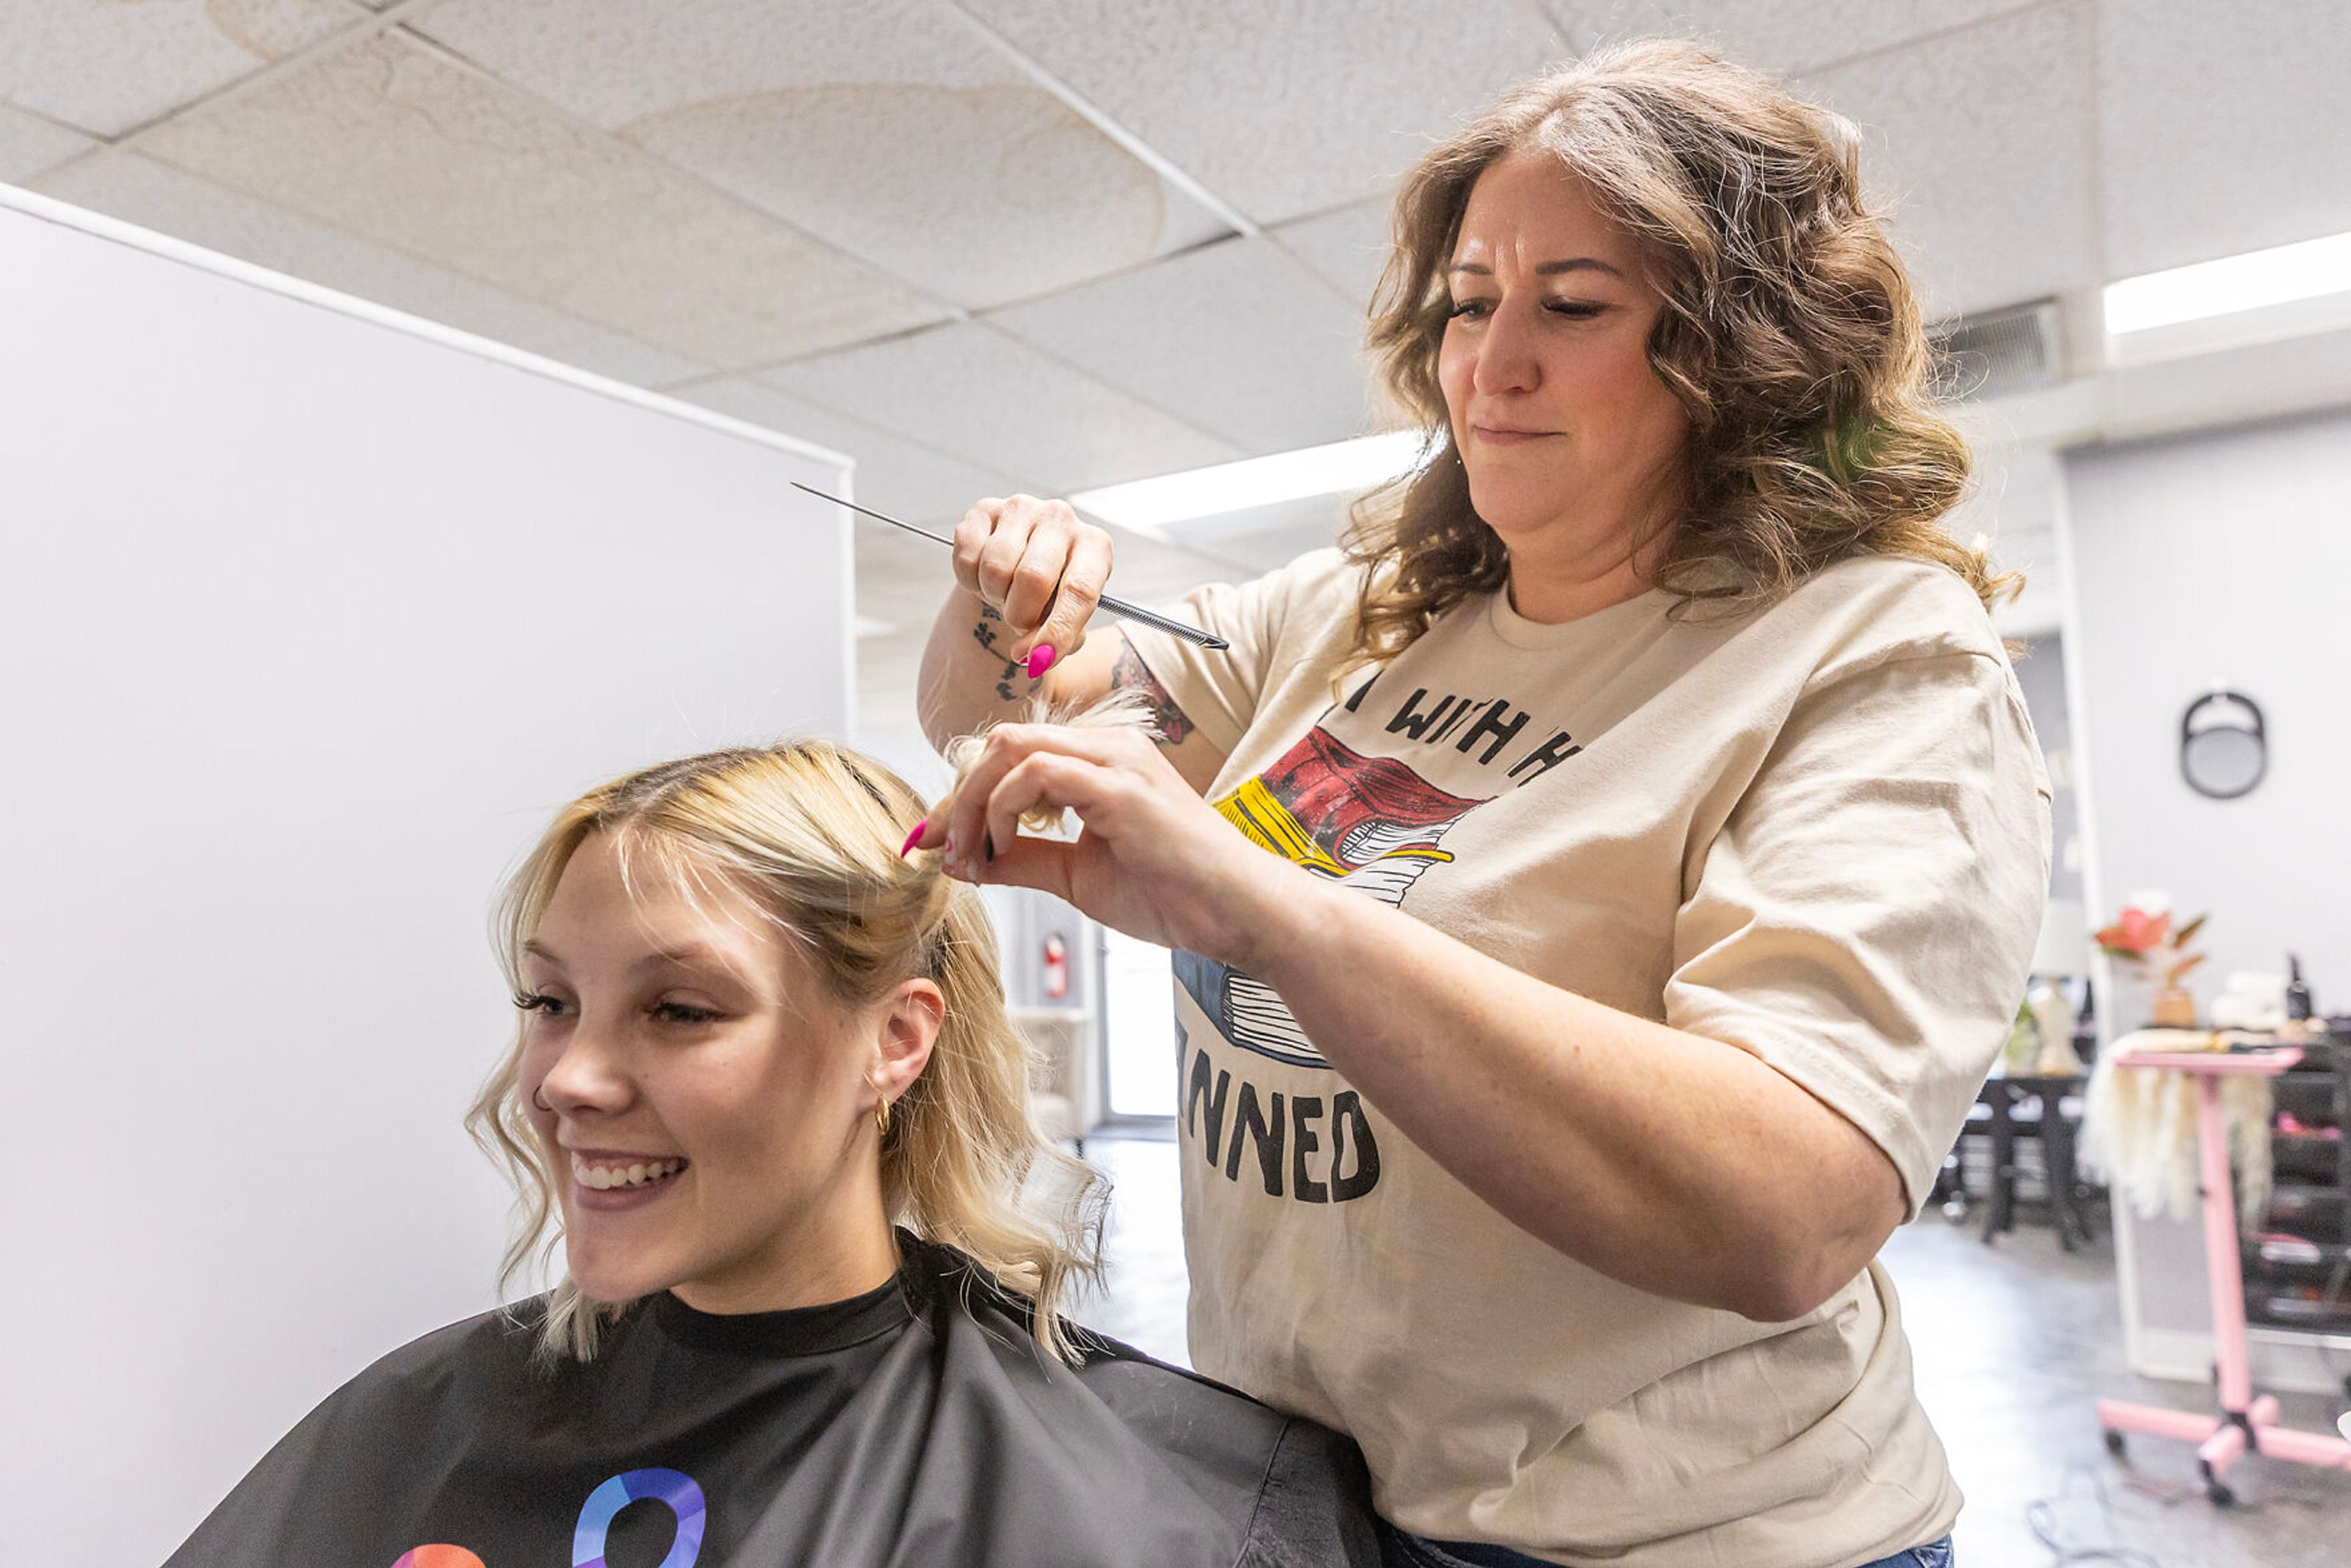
[(1265, 619), (1864, 919)]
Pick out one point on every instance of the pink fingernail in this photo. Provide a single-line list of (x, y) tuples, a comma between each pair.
[(1041, 659), (908, 847)]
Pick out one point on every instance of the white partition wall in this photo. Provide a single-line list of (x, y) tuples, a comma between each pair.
[(314, 613), (2217, 558)]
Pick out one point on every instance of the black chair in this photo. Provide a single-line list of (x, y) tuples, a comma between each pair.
[(2032, 1107)]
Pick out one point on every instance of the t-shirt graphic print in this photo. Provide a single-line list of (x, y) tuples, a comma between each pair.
[(1368, 821), (1763, 827)]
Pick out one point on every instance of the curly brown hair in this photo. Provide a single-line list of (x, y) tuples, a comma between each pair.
[(1789, 336)]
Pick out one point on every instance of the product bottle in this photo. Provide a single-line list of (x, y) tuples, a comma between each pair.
[(2298, 1004)]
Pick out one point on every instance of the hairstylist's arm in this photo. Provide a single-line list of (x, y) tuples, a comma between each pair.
[(1676, 1163), (1027, 576)]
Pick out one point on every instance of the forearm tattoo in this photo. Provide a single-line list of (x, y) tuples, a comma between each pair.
[(989, 636), (1131, 674)]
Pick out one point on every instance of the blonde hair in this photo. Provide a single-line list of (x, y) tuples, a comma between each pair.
[(1789, 336), (808, 832)]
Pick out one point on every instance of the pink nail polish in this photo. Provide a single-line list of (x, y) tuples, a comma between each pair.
[(908, 847), (1041, 659)]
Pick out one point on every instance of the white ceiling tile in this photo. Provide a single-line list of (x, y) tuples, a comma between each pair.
[(1155, 575), (1979, 140), (107, 67), (894, 474), (30, 144), (972, 391), (392, 141), (616, 62), (2220, 136), (901, 581), (1347, 246), (892, 130), (1269, 549), (1238, 338), (139, 191), (1259, 538), (1779, 36), (1283, 107)]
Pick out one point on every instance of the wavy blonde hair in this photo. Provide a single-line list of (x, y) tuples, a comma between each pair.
[(1789, 336), (808, 833)]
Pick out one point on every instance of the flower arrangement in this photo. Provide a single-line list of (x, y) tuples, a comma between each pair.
[(2149, 943)]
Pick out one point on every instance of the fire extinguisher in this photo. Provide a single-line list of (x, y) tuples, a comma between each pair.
[(1057, 967)]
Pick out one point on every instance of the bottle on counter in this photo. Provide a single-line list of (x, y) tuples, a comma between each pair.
[(2298, 1004)]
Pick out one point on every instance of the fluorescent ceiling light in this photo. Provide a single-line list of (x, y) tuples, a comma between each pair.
[(1148, 505), (2248, 282)]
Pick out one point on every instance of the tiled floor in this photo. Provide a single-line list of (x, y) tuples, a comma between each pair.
[(2013, 1343)]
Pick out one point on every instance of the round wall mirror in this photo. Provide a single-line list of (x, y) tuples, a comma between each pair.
[(2223, 748)]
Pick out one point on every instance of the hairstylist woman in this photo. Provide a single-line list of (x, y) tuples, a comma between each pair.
[(1659, 845)]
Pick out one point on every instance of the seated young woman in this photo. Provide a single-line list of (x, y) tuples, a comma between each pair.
[(765, 1093)]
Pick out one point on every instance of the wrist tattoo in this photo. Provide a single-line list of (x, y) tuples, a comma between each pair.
[(1131, 674), (987, 635)]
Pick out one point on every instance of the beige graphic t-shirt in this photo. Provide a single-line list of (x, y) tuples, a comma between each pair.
[(1818, 832)]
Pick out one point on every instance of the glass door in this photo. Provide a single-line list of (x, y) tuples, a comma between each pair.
[(1138, 1027)]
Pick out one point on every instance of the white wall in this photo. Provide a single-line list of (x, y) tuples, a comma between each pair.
[(2223, 558), (313, 618), (2220, 557)]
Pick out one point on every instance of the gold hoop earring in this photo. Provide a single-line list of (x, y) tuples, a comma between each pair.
[(882, 1119)]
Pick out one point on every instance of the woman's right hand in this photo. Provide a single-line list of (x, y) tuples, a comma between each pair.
[(1040, 567)]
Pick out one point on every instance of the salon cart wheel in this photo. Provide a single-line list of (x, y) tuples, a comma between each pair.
[(2217, 1490), (2115, 1444)]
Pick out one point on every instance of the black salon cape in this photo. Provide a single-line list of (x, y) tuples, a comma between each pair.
[(916, 1425)]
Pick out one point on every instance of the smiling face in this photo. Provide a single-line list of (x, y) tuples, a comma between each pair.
[(1569, 440), (706, 1112)]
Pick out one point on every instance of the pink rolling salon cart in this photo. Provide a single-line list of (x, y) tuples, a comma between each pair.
[(2246, 1424)]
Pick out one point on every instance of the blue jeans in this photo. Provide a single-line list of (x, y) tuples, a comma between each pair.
[(1398, 1550)]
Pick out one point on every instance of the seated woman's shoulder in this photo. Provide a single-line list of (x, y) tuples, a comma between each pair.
[(481, 1357), (1295, 1491)]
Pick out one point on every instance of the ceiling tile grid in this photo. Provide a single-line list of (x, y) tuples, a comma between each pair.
[(1981, 142), (814, 196), (29, 145), (893, 130), (1283, 108), (140, 191), (1238, 338), (105, 67), (2221, 131), (909, 481), (974, 392), (1783, 37), (391, 140), (1347, 246)]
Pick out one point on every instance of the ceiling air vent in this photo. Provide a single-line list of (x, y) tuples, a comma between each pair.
[(1995, 353)]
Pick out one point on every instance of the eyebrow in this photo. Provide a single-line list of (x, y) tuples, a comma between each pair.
[(1545, 269), (693, 954)]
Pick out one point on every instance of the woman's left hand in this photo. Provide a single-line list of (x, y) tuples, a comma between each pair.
[(1156, 861)]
